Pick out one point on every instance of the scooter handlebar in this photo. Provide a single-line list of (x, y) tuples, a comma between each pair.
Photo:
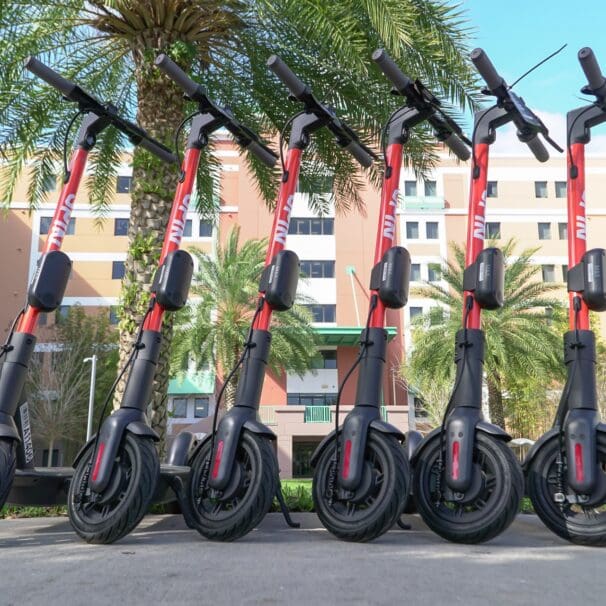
[(486, 69), (262, 153), (538, 149), (288, 77), (50, 76), (192, 89), (158, 150), (359, 153), (595, 78), (391, 70), (457, 147)]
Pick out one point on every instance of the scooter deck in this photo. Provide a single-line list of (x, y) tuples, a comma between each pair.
[(48, 486)]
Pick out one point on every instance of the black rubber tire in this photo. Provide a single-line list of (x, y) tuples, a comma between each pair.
[(501, 500), (137, 454), (219, 520), (380, 515), (572, 523), (8, 462)]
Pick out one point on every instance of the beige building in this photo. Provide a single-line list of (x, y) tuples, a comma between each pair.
[(526, 200)]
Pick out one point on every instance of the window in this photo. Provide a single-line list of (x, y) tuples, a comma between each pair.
[(124, 184), (540, 189), (492, 189), (180, 408), (120, 227), (323, 313), (431, 230), (201, 408), (431, 188), (114, 316), (49, 183), (434, 272), (45, 225), (317, 227), (117, 270), (415, 272), (564, 273), (326, 358), (410, 189), (544, 231), (415, 312), (206, 229), (493, 230), (311, 399), (548, 273), (412, 230), (318, 269), (560, 189), (563, 231), (187, 229), (61, 313)]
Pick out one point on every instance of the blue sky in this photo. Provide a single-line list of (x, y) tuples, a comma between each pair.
[(517, 34)]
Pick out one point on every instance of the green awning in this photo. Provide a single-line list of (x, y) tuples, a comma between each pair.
[(192, 383), (345, 335)]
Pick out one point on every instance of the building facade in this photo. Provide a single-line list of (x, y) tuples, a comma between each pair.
[(525, 201)]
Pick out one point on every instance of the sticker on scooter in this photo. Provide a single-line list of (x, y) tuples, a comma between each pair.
[(176, 230), (282, 225), (26, 431), (60, 226)]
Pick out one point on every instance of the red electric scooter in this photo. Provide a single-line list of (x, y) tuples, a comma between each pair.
[(566, 467), (234, 472), (45, 486), (116, 473), (361, 472), (467, 481)]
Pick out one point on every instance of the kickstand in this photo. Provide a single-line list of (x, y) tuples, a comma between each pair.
[(403, 525), (284, 508)]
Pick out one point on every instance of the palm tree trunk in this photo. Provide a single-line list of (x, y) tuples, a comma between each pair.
[(495, 402), (49, 459), (154, 184), (229, 397)]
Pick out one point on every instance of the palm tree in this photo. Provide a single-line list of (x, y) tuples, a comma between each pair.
[(212, 330), (522, 340), (109, 46)]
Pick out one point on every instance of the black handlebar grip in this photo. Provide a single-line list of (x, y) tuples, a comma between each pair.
[(158, 150), (65, 87), (486, 69), (178, 76), (288, 77), (538, 149), (595, 78), (457, 147), (262, 153), (391, 70), (359, 153)]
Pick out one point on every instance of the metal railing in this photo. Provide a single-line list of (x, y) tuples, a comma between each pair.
[(317, 414), (267, 415)]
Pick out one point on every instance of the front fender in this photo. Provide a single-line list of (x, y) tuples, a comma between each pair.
[(534, 449), (321, 446)]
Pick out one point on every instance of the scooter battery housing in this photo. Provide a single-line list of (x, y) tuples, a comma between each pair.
[(486, 278), (594, 293), (173, 280), (391, 277), (280, 279), (50, 281)]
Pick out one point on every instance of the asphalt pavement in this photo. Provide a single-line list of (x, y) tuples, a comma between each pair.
[(164, 562)]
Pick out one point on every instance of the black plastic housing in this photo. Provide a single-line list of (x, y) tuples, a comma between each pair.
[(486, 279), (279, 280), (173, 280), (391, 277), (50, 281), (588, 277)]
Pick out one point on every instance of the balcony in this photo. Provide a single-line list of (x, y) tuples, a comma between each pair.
[(323, 414), (423, 202), (267, 415)]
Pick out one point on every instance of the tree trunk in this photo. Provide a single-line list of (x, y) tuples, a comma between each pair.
[(49, 459), (495, 401), (160, 110)]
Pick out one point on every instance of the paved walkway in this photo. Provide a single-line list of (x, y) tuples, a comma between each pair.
[(163, 562)]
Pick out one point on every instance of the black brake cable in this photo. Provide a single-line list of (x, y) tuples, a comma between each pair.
[(474, 160), (4, 349), (363, 347), (287, 124), (537, 65), (573, 167), (66, 171), (176, 141)]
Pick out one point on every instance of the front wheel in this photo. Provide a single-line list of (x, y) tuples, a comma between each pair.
[(375, 506), (575, 522), (231, 513), (489, 506), (108, 516), (8, 461)]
